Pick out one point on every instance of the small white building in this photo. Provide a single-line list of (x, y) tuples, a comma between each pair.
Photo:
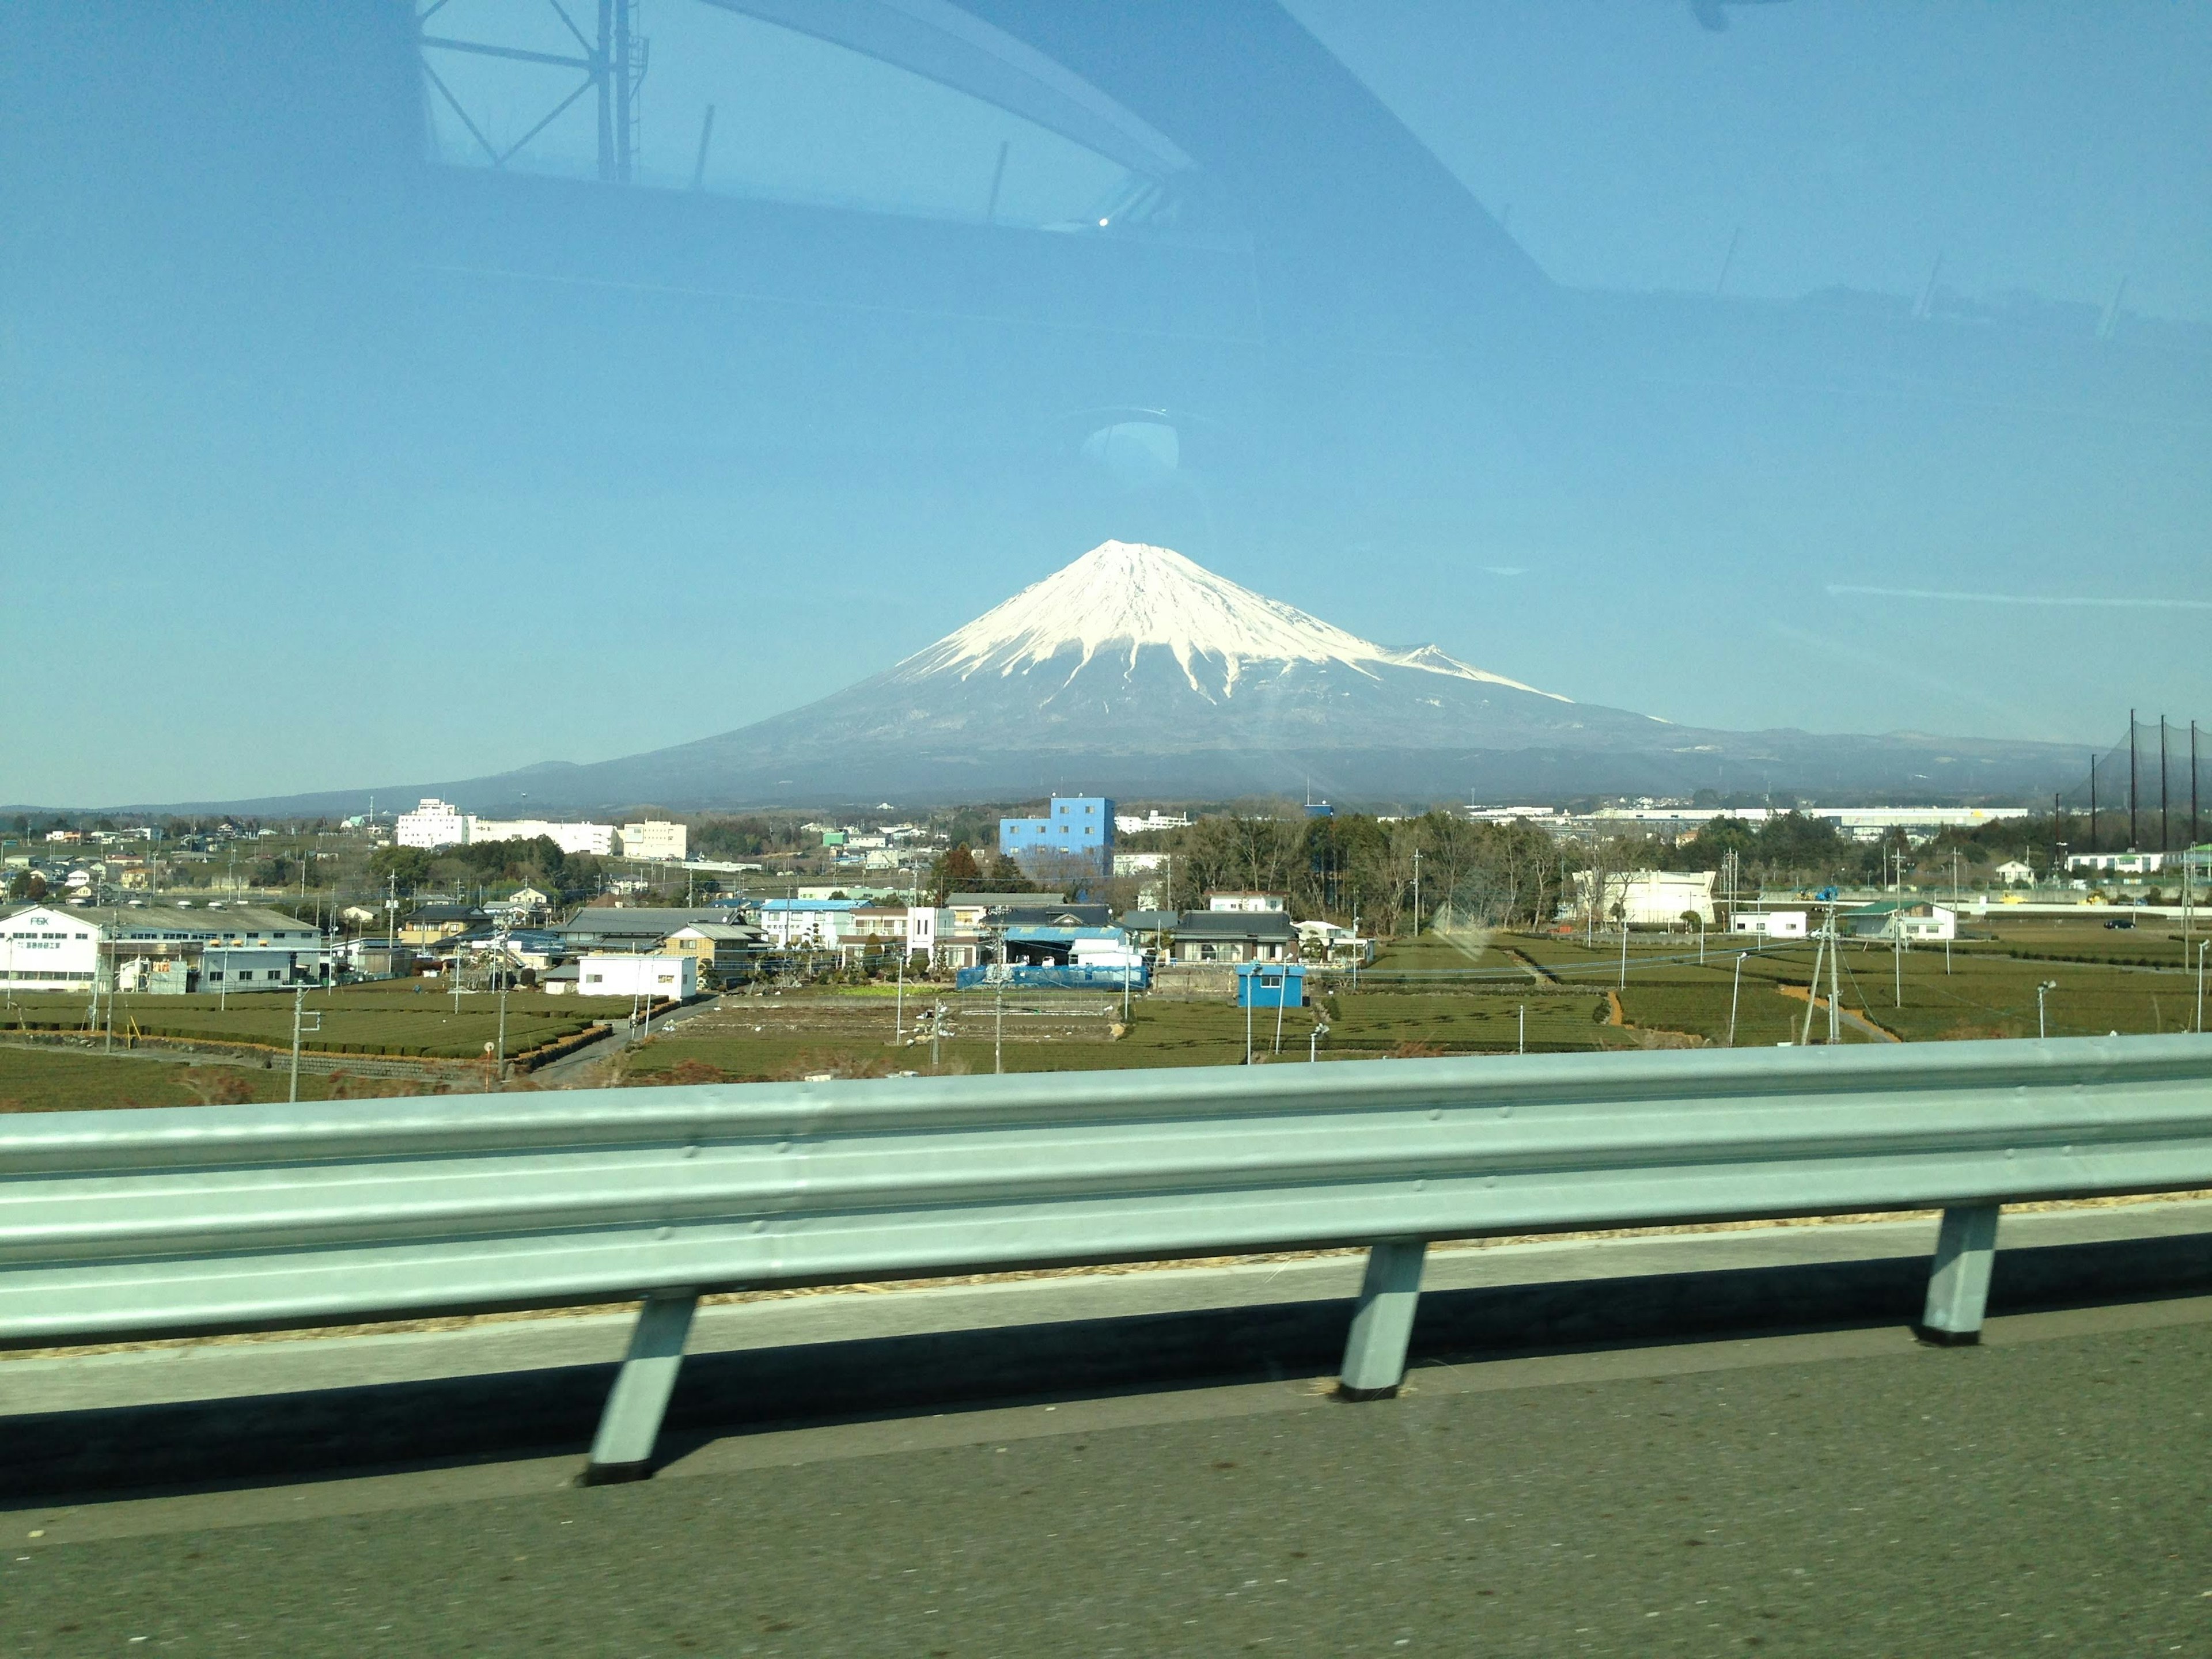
[(1772, 924), (1246, 903), (1933, 923), (224, 968), (2013, 872), (656, 976), (656, 839), (433, 824)]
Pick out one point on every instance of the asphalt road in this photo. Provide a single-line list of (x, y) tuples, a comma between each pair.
[(1833, 1495)]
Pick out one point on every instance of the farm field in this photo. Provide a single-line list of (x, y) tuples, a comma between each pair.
[(38, 1081), (407, 1017), (2153, 941), (761, 1038), (1987, 992)]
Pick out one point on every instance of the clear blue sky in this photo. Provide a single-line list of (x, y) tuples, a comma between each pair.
[(331, 458)]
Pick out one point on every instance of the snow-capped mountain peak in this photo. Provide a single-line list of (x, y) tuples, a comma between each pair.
[(1122, 597)]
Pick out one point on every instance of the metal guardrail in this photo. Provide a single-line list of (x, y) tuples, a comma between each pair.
[(140, 1223)]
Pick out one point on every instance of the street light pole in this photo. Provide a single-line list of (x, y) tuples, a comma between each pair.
[(2041, 990), (1735, 993)]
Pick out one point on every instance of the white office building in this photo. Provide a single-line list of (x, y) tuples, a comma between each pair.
[(433, 824), (656, 839)]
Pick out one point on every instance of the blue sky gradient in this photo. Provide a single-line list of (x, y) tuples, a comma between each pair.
[(333, 458)]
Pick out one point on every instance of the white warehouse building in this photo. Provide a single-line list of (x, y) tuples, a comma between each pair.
[(158, 948), (596, 838), (611, 975), (436, 824), (1652, 898)]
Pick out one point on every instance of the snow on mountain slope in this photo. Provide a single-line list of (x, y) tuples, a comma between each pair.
[(1124, 595)]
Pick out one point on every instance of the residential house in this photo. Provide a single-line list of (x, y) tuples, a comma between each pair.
[(433, 924), (1234, 936), (724, 951)]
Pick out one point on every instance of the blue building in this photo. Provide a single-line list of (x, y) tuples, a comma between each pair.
[(1075, 827), (1271, 985)]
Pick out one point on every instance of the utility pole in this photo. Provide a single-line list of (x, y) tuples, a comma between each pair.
[(299, 1017), (1813, 991), (1624, 947), (999, 1030), (1897, 957), (2201, 944), (499, 1065), (1520, 1039), (898, 998), (1835, 981), (1417, 892)]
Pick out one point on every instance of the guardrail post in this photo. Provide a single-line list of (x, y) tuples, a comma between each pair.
[(1959, 1288), (1383, 1323), (623, 1449)]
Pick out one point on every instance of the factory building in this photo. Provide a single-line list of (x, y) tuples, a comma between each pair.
[(1077, 829)]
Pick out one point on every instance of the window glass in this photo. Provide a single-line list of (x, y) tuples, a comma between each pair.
[(732, 104)]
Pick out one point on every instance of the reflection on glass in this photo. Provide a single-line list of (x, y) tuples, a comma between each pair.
[(715, 99)]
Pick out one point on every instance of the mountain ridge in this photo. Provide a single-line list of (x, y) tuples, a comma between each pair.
[(1135, 671)]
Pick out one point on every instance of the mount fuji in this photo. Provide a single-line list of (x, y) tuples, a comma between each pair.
[(1135, 671)]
